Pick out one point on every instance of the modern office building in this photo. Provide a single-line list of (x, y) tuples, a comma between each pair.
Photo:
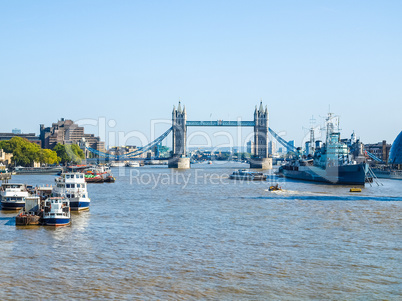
[(16, 131), (250, 147), (68, 132), (271, 147)]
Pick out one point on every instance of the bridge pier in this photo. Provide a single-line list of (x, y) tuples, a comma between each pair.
[(261, 163), (180, 163)]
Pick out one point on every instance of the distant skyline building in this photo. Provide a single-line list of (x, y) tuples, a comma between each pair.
[(272, 147), (68, 132), (16, 131), (250, 147), (291, 143)]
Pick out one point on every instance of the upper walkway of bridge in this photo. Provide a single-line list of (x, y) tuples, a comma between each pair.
[(220, 123)]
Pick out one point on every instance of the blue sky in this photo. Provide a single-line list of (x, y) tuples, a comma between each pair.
[(130, 61)]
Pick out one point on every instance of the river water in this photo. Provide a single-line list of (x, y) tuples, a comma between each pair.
[(160, 234)]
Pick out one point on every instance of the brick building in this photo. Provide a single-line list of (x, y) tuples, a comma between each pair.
[(68, 132), (380, 150)]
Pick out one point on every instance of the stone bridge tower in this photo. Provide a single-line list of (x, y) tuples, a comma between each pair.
[(261, 132), (179, 138), (261, 124), (179, 118)]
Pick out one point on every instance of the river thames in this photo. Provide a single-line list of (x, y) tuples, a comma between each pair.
[(160, 234)]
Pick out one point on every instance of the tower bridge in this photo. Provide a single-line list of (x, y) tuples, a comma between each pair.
[(179, 136), (180, 123)]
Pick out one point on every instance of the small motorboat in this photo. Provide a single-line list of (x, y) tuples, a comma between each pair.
[(110, 179), (275, 188), (354, 189)]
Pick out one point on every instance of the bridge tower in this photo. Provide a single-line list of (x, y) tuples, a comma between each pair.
[(179, 138), (179, 119), (261, 123)]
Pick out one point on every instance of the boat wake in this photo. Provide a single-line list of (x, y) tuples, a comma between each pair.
[(285, 195)]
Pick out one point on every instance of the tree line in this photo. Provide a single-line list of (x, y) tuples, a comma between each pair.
[(25, 153)]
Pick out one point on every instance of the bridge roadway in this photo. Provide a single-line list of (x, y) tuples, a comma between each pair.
[(220, 123)]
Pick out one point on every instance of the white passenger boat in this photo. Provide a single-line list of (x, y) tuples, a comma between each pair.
[(133, 164), (13, 196), (243, 174), (56, 212), (117, 164), (72, 186)]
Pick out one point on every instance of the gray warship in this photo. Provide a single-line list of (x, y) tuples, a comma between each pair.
[(335, 162)]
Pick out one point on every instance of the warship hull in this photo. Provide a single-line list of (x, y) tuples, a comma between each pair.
[(342, 175)]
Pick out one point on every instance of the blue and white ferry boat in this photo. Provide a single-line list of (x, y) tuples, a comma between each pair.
[(72, 186), (13, 196), (56, 212)]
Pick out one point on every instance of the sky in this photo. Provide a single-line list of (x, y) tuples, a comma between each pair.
[(126, 63)]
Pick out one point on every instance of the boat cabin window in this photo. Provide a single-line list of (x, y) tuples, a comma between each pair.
[(67, 176), (72, 185), (68, 185), (51, 214)]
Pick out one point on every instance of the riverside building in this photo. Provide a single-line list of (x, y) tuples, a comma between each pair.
[(68, 132)]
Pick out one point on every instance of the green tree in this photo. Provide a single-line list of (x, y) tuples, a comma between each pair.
[(69, 153), (61, 153), (25, 153), (48, 156)]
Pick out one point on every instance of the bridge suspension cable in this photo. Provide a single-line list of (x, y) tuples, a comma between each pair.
[(282, 141), (374, 157), (145, 148), (133, 154)]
